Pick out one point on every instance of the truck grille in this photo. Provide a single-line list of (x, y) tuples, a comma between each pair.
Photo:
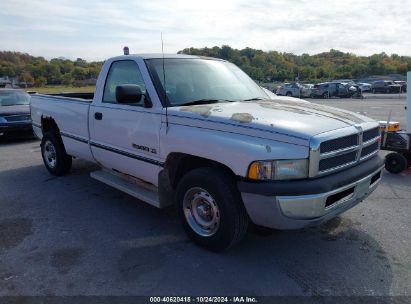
[(369, 149), (337, 161), (330, 155), (339, 143), (370, 134), (14, 118)]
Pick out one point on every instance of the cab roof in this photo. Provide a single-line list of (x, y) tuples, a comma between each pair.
[(161, 56)]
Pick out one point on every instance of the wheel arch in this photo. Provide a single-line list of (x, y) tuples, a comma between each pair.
[(178, 164), (48, 124)]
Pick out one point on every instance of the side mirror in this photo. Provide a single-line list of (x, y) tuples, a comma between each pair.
[(128, 93), (131, 93)]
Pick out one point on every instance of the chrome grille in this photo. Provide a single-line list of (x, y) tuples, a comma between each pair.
[(336, 150), (370, 149), (337, 161), (339, 143), (13, 118), (370, 134)]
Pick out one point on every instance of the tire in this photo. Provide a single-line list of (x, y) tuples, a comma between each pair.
[(215, 192), (326, 95), (373, 91), (407, 156), (289, 94), (54, 154), (395, 163)]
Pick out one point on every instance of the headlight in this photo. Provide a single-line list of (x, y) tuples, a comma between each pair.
[(278, 169), (2, 119)]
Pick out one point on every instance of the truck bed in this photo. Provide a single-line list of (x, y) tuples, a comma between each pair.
[(88, 97), (70, 112), (78, 97)]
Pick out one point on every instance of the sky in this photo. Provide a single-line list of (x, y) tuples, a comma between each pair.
[(98, 29)]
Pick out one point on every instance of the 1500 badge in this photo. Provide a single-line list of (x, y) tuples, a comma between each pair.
[(144, 148)]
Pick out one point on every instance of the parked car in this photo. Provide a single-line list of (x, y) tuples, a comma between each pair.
[(365, 87), (273, 96), (403, 85), (294, 90), (198, 133), (14, 113), (331, 89), (385, 86)]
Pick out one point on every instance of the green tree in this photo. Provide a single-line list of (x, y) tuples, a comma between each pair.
[(40, 81), (67, 79)]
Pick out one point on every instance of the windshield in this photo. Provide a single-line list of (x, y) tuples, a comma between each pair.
[(202, 80), (12, 98)]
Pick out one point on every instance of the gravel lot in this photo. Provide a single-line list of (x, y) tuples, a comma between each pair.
[(75, 236)]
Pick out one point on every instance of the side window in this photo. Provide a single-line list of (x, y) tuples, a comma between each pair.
[(342, 89), (122, 72)]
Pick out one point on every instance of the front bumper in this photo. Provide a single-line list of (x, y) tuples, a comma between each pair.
[(15, 127), (297, 204)]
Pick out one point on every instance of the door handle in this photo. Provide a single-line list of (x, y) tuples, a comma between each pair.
[(98, 115)]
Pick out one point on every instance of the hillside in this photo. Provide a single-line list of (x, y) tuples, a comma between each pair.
[(276, 66), (260, 65), (38, 71)]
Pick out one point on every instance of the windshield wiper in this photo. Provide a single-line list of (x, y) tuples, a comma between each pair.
[(203, 101), (256, 98)]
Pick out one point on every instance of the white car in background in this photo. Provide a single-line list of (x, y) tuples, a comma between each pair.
[(294, 90), (365, 87)]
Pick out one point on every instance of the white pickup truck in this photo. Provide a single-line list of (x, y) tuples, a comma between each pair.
[(198, 133)]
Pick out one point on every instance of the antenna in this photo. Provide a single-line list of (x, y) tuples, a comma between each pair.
[(164, 81)]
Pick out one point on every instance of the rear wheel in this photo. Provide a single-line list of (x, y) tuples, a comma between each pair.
[(326, 95), (289, 94), (210, 209), (395, 163), (55, 158)]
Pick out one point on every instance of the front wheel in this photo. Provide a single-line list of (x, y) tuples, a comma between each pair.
[(54, 154), (210, 209)]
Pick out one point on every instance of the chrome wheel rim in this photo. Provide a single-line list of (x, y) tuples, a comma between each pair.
[(201, 212), (50, 154)]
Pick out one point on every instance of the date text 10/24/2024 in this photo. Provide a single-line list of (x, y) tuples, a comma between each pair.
[(205, 299)]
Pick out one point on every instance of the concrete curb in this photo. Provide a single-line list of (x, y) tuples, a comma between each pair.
[(385, 96)]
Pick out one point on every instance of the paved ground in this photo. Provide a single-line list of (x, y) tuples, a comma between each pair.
[(75, 236), (377, 106)]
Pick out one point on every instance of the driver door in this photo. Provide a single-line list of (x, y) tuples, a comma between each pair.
[(125, 137)]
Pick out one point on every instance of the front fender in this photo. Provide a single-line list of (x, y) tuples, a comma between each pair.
[(236, 151)]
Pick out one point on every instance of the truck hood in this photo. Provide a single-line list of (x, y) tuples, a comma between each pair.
[(14, 110), (274, 119)]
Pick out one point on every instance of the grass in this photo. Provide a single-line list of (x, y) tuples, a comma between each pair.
[(60, 89)]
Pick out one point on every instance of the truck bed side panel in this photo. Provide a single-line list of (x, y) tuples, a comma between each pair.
[(71, 117)]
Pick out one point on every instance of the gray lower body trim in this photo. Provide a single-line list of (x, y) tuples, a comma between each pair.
[(294, 212)]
